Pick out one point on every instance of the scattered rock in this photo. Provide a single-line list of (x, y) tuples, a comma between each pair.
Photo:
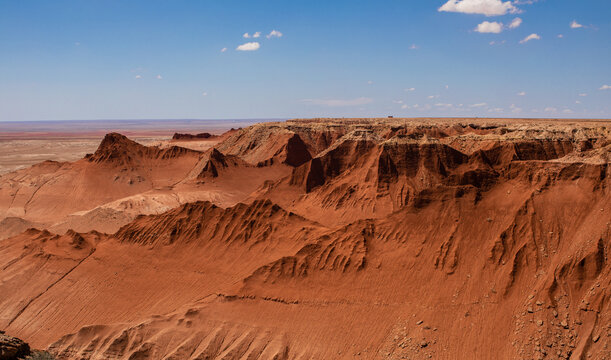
[(564, 324), (12, 348)]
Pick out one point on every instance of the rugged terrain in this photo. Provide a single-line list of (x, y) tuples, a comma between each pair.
[(322, 238)]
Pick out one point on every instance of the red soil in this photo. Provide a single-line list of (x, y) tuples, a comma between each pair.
[(325, 239)]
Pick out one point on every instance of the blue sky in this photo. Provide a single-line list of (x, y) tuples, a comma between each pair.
[(162, 59)]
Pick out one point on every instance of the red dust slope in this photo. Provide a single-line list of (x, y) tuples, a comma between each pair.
[(352, 238)]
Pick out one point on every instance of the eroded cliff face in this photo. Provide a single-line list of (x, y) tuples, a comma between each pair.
[(374, 238)]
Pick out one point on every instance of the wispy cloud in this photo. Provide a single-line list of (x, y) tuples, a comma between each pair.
[(522, 93), (496, 27), (204, 93), (339, 102), (530, 37), (410, 89), (138, 77), (515, 23), (478, 105), (583, 94), (274, 33), (250, 46), (223, 49), (414, 47), (159, 77), (255, 35), (482, 7), (605, 87), (575, 25), (489, 27)]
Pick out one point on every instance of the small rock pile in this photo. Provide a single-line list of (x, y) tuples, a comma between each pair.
[(12, 348)]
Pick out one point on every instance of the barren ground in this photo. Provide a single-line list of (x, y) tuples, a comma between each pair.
[(312, 239)]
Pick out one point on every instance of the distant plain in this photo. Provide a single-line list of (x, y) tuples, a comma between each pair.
[(26, 143)]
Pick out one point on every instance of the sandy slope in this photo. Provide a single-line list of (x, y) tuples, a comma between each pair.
[(354, 239)]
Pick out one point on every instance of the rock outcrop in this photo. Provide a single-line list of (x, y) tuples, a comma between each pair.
[(12, 348)]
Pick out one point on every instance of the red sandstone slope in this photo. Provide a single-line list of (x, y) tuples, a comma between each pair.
[(151, 266), (439, 239), (119, 168), (123, 179)]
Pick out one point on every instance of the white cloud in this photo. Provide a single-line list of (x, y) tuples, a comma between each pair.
[(274, 33), (478, 105), (398, 101), (447, 87), (256, 35), (159, 77), (433, 96), (515, 109), (497, 110), (404, 106), (204, 94), (489, 27), (577, 102), (138, 77), (530, 37), (560, 36), (496, 42), (369, 82), (567, 111), (414, 47), (339, 102), (605, 87), (246, 36), (443, 105), (223, 49), (522, 93), (575, 25), (583, 94), (515, 23), (550, 109), (483, 7), (250, 46), (410, 89)]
